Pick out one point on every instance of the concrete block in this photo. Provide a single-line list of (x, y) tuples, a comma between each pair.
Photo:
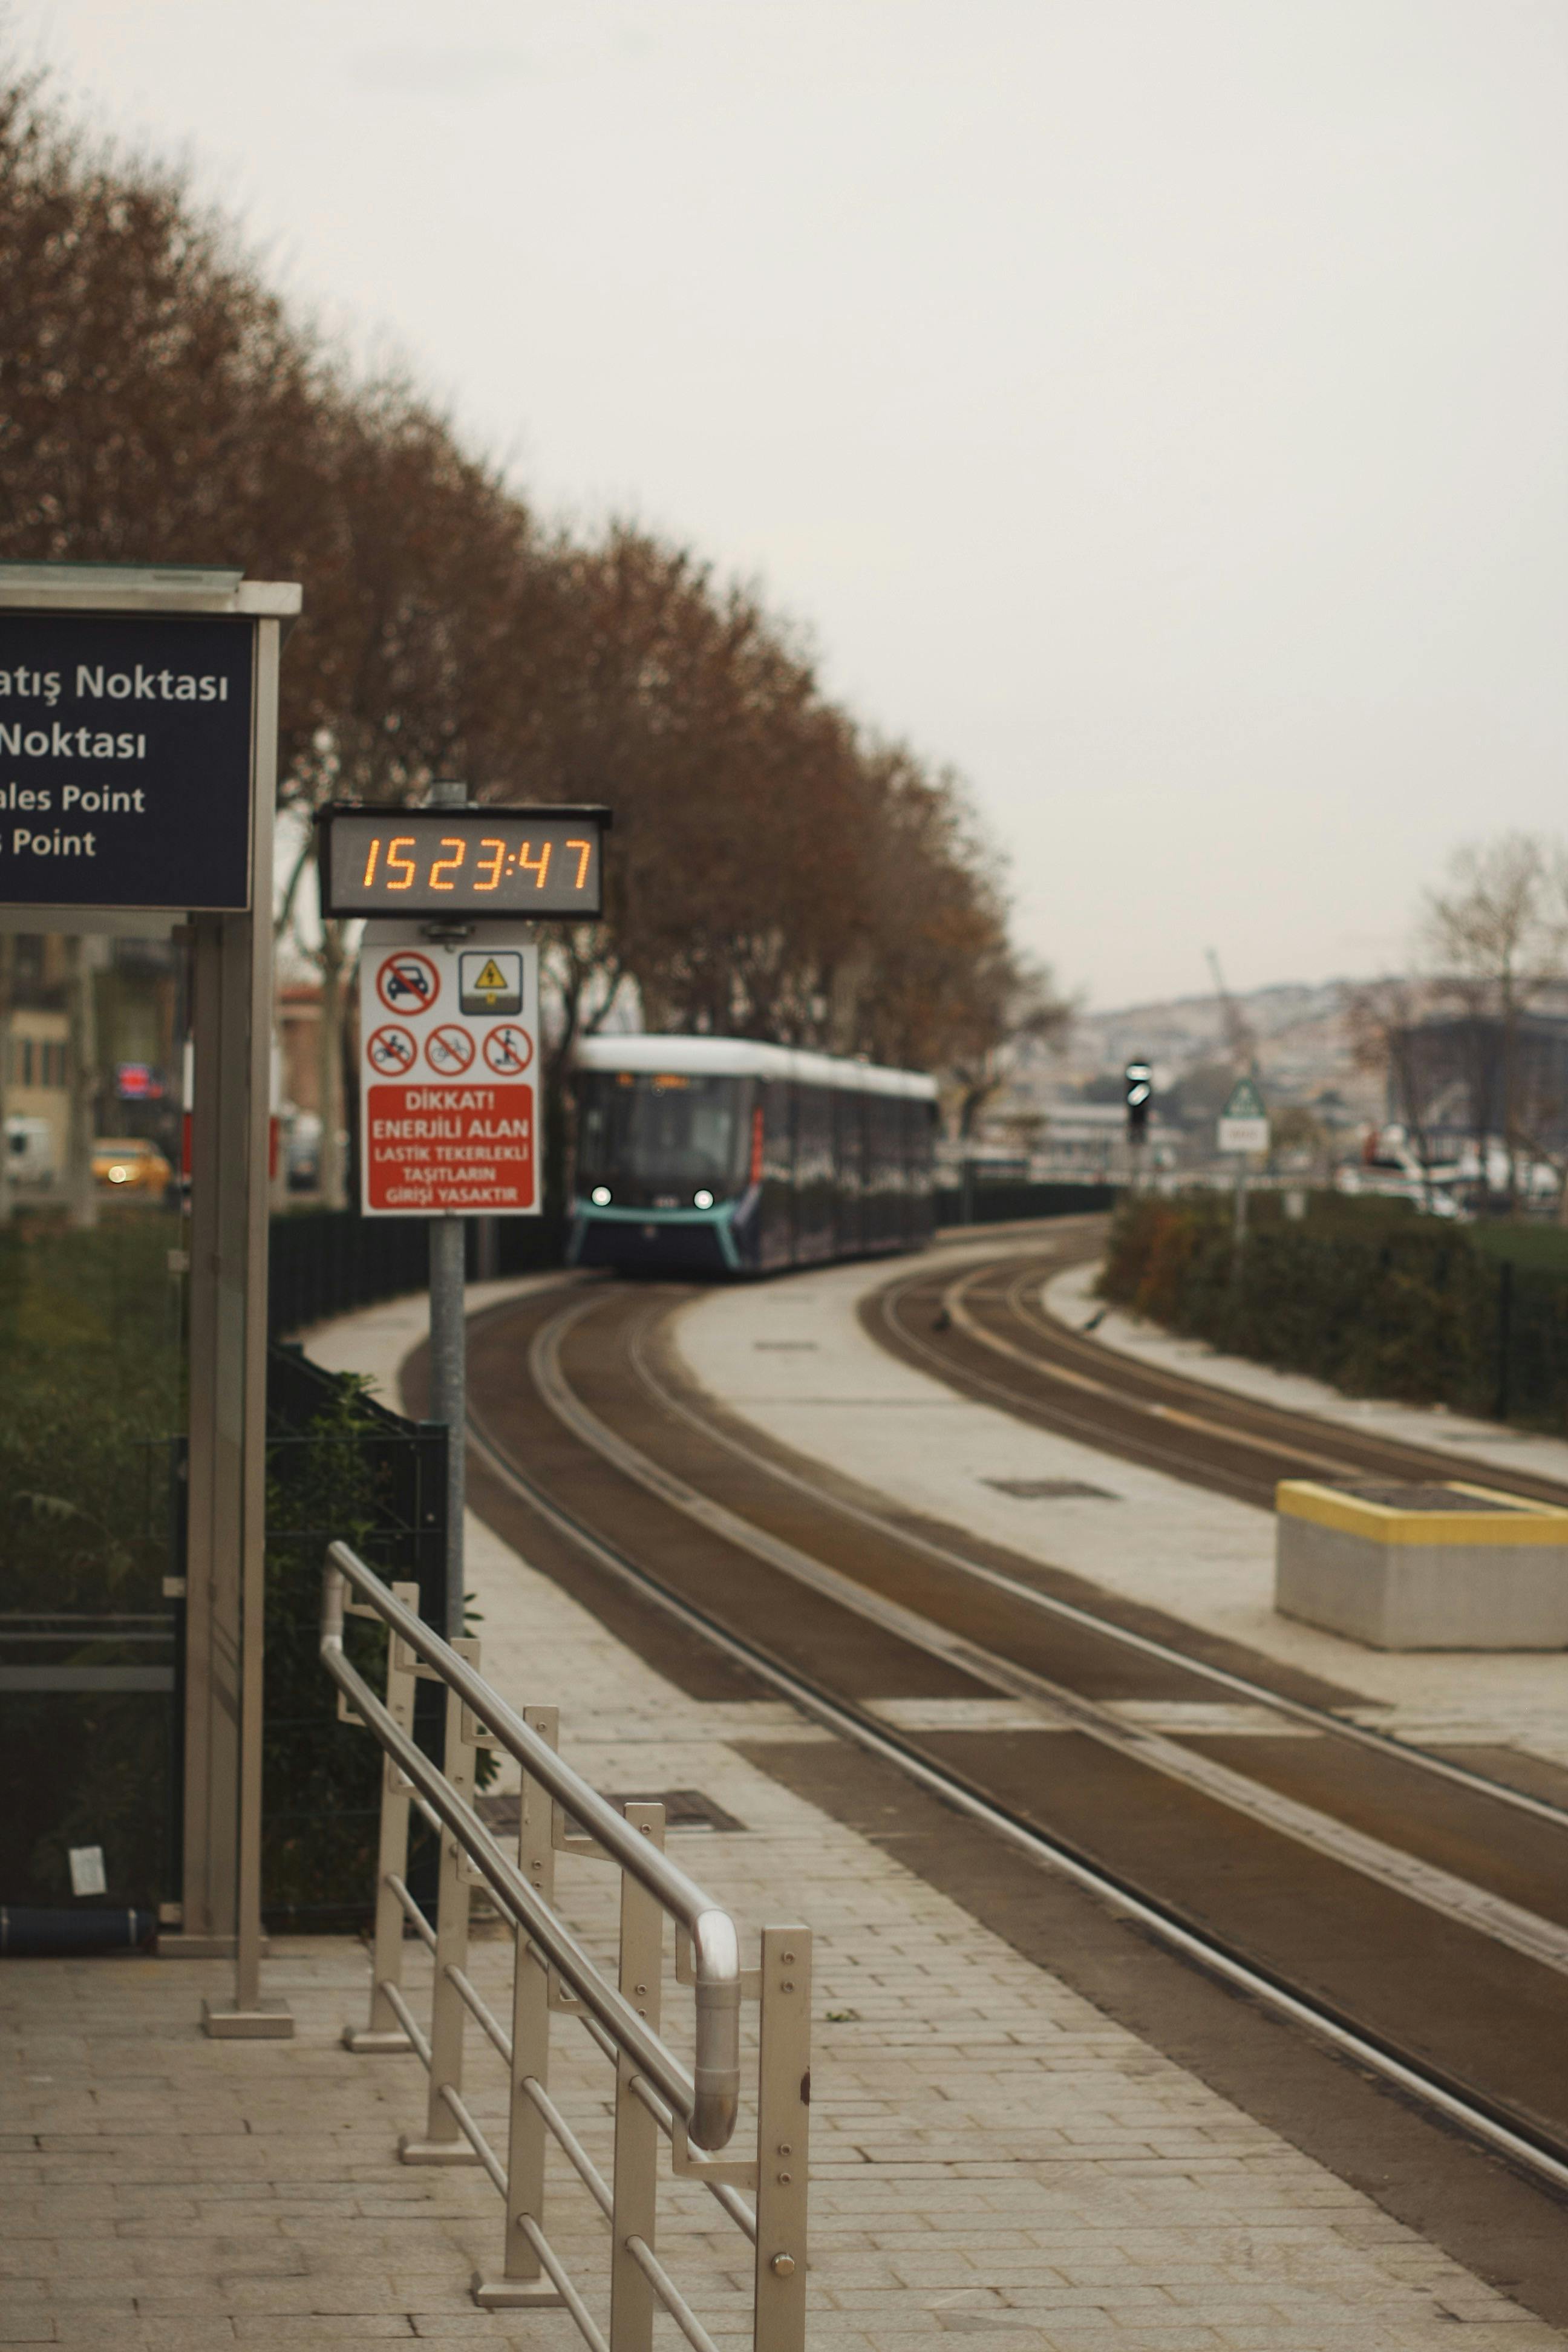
[(1440, 1566)]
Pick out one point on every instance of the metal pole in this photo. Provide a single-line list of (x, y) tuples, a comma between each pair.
[(448, 1346), (449, 1392), (244, 1105), (1240, 1229)]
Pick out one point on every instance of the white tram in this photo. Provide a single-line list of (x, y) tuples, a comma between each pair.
[(717, 1155)]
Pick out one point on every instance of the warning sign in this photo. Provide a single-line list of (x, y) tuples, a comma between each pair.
[(434, 1150), (491, 981), (448, 1123)]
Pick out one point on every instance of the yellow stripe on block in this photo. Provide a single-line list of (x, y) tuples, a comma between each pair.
[(1520, 1521)]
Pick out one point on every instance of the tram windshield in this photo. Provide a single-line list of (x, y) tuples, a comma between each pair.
[(671, 1129)]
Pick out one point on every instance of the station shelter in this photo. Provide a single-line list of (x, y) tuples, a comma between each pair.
[(138, 775)]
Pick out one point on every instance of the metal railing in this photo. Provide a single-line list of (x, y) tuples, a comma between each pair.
[(552, 1973)]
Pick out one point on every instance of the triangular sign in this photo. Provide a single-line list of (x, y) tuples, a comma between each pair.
[(1245, 1101), (492, 980)]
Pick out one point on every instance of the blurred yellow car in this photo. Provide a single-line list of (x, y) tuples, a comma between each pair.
[(129, 1163)]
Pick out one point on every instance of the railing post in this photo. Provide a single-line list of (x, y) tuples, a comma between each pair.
[(384, 2032), (784, 2119), (521, 2284), (637, 2138), (444, 2142)]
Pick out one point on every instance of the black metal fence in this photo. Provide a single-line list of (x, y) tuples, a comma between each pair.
[(324, 1261), (979, 1200), (339, 1465)]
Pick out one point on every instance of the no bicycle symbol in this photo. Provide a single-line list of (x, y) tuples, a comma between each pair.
[(508, 1049), (407, 982), (390, 1050), (449, 1050)]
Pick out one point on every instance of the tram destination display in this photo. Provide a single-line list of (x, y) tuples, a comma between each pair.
[(459, 862), (125, 760)]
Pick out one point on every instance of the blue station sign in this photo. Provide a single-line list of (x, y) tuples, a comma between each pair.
[(126, 761)]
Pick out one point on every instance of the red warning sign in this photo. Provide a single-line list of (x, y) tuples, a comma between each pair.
[(429, 1149), (449, 1106)]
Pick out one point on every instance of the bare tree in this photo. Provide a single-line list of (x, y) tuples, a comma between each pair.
[(1496, 937), (775, 873)]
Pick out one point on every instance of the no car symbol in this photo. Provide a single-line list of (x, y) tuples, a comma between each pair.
[(407, 982)]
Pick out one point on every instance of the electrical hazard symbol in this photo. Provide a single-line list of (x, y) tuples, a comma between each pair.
[(390, 1050), (508, 1050), (490, 980)]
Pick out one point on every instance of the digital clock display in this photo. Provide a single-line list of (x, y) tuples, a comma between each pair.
[(544, 862)]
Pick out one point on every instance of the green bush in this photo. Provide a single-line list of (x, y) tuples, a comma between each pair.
[(1367, 1296), (91, 1395)]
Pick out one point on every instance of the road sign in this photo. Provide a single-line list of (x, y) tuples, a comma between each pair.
[(448, 1121), (125, 760), (1244, 1122)]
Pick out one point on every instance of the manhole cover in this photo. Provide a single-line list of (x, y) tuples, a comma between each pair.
[(684, 1809), (1050, 1490)]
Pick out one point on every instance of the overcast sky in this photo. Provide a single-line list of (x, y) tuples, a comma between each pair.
[(1155, 408)]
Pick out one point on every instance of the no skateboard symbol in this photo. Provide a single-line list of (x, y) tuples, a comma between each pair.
[(509, 1050), (407, 982), (390, 1051), (449, 1050)]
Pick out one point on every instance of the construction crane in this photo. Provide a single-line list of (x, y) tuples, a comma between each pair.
[(1239, 1037)]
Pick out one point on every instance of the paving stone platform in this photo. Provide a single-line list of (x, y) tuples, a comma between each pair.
[(993, 2158)]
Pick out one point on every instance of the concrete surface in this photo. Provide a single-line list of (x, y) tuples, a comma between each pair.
[(991, 2155), (792, 1357)]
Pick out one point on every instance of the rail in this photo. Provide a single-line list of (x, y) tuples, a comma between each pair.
[(696, 2112)]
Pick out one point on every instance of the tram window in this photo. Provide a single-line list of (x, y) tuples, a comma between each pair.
[(675, 1130)]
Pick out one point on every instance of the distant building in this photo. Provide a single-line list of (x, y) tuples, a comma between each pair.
[(1456, 1078)]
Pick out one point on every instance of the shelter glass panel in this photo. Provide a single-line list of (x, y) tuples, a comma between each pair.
[(93, 1252)]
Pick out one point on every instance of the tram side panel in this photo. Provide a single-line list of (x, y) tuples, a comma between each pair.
[(775, 1206)]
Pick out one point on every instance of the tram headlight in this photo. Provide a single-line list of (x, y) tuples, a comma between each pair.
[(703, 1200), (600, 1196)]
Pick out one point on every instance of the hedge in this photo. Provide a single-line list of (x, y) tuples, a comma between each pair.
[(1367, 1296)]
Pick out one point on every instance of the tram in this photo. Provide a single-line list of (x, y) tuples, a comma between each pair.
[(717, 1155)]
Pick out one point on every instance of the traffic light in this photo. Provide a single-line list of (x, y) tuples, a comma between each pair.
[(1139, 1081)]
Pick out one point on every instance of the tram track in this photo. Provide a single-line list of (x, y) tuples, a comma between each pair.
[(581, 1412), (987, 1331)]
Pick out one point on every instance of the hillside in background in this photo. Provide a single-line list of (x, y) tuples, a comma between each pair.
[(1303, 1042)]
